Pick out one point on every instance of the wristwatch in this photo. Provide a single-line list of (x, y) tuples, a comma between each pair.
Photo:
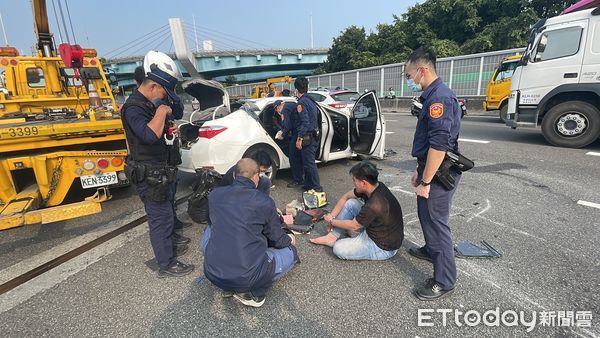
[(425, 184)]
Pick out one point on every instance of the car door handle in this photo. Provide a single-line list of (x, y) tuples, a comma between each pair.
[(570, 75)]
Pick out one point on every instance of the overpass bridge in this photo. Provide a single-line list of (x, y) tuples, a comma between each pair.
[(244, 65)]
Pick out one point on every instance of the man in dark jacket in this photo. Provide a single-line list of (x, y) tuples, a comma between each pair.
[(245, 248)]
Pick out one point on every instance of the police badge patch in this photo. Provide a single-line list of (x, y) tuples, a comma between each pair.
[(299, 108), (436, 110)]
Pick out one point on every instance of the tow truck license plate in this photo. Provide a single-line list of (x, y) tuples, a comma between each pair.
[(92, 181)]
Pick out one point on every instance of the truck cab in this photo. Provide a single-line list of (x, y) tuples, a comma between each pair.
[(557, 82), (498, 89)]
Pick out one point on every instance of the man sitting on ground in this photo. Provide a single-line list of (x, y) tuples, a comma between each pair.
[(245, 248), (376, 226)]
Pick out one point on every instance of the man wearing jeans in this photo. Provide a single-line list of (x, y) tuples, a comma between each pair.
[(375, 226), (245, 248)]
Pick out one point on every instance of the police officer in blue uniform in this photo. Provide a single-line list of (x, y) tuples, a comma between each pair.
[(307, 141), (151, 164), (177, 114), (289, 120), (436, 133)]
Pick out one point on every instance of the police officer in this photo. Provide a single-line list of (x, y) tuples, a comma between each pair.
[(150, 165), (307, 128), (177, 114), (436, 132), (289, 120)]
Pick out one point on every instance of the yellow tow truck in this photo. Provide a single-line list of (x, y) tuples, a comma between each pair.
[(60, 135), (263, 89), (498, 88)]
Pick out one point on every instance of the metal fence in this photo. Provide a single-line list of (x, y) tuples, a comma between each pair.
[(467, 75)]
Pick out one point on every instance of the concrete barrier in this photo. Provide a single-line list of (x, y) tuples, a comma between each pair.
[(402, 105)]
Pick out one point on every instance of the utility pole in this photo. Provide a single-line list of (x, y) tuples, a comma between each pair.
[(195, 33), (312, 45), (3, 30)]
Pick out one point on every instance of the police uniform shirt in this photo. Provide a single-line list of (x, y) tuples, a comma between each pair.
[(137, 119), (289, 118), (439, 121), (307, 114)]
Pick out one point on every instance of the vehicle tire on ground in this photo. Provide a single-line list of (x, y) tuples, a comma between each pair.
[(573, 124), (272, 171), (503, 113)]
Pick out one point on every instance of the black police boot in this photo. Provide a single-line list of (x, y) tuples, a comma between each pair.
[(420, 253), (432, 291), (178, 239), (181, 225), (248, 299), (176, 270), (180, 250)]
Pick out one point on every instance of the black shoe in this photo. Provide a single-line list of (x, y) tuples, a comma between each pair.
[(420, 253), (176, 270), (180, 250), (227, 294), (249, 300), (181, 225), (432, 291), (178, 239), (294, 185)]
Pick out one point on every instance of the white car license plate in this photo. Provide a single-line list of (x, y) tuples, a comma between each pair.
[(92, 181)]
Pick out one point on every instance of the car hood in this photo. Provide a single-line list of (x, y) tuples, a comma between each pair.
[(209, 93)]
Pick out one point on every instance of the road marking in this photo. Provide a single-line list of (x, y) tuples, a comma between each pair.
[(399, 188), (591, 153), (391, 120), (389, 132), (589, 204), (473, 141)]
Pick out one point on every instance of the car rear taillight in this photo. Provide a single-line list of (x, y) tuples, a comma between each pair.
[(338, 105), (210, 131)]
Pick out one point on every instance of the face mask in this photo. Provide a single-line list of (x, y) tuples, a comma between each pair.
[(158, 102), (415, 87)]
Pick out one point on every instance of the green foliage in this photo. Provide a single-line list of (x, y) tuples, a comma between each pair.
[(230, 80), (450, 27)]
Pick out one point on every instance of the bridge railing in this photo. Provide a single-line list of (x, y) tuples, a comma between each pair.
[(467, 75)]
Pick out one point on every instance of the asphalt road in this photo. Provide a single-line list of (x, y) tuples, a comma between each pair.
[(524, 197)]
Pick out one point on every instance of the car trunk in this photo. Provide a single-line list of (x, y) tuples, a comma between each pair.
[(213, 102)]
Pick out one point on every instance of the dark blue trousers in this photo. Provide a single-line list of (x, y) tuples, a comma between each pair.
[(295, 157), (434, 215), (160, 222), (311, 173)]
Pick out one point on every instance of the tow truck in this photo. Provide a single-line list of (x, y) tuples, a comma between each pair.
[(60, 135), (262, 90)]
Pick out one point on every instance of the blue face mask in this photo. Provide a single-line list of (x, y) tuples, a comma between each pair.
[(415, 87)]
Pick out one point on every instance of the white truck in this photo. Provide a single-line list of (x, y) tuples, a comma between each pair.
[(557, 83)]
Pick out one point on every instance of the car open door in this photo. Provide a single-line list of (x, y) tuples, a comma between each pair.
[(367, 127), (208, 93)]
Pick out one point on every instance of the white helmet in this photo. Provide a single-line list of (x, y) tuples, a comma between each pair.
[(163, 62)]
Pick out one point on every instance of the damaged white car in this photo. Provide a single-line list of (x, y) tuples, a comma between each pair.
[(216, 138)]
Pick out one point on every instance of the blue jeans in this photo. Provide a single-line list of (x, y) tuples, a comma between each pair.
[(284, 258), (359, 246)]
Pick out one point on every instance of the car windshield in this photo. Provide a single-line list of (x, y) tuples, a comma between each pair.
[(250, 107), (350, 96)]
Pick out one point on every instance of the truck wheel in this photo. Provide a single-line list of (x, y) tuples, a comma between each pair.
[(503, 112), (573, 124), (272, 171)]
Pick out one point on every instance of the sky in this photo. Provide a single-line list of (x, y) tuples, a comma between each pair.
[(117, 28)]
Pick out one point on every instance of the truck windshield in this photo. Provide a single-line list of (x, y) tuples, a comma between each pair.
[(506, 70)]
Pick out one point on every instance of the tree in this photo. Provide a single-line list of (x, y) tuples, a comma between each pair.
[(449, 27), (230, 80)]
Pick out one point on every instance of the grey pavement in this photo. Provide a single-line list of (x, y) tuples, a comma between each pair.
[(521, 197)]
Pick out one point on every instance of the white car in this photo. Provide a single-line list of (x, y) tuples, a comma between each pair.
[(341, 99), (216, 139)]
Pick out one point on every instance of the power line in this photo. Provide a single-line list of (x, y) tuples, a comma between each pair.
[(163, 41), (136, 39), (243, 42), (150, 42), (233, 36)]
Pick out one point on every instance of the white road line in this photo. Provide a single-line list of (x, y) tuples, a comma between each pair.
[(399, 188), (389, 132), (591, 153), (589, 204), (391, 120), (473, 141)]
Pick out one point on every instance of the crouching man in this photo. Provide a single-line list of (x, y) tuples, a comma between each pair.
[(375, 226), (245, 248)]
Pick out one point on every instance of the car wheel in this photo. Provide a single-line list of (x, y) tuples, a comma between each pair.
[(272, 171), (573, 124), (503, 113)]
